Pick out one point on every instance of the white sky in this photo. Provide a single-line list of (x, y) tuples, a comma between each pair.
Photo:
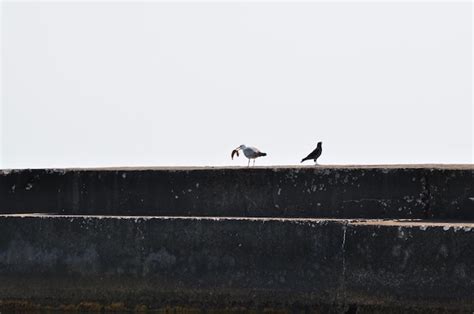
[(156, 83)]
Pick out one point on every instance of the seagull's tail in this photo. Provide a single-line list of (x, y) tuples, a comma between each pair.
[(262, 154)]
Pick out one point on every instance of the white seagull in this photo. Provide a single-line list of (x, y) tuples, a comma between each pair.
[(249, 152)]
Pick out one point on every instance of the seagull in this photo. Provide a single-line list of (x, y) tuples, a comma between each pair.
[(249, 152), (315, 153)]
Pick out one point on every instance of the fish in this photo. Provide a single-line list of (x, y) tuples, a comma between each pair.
[(234, 152)]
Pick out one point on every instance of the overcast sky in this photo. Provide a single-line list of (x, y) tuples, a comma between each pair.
[(156, 83)]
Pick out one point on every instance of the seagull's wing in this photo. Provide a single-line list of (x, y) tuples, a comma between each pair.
[(255, 150), (251, 152)]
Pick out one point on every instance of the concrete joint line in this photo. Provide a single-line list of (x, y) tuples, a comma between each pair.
[(343, 252), (426, 196)]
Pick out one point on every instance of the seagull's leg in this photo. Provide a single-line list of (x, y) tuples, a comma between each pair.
[(248, 165), (254, 162)]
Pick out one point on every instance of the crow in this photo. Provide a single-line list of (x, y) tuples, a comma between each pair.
[(315, 153)]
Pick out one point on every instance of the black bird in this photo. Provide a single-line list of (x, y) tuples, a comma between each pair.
[(315, 153)]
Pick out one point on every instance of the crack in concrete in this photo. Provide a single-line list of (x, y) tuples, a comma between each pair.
[(343, 252), (426, 196)]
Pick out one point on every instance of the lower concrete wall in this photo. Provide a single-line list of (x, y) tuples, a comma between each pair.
[(224, 263), (410, 263)]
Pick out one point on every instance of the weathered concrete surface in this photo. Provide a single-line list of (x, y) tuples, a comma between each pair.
[(419, 263), (424, 191), (161, 262), (236, 263)]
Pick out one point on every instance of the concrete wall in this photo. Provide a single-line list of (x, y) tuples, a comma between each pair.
[(439, 192), (230, 261), (235, 263)]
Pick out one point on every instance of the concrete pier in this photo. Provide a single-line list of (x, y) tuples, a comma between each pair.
[(415, 253)]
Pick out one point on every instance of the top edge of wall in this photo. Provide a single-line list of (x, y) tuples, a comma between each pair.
[(280, 167)]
